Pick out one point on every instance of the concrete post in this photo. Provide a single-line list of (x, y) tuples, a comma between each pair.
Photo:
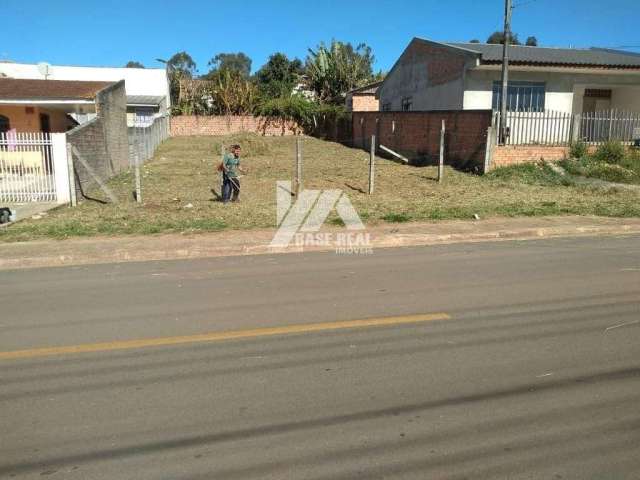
[(575, 128), (71, 176), (372, 164), (441, 159)]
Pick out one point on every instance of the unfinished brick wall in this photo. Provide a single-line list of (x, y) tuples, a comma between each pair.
[(365, 103), (513, 155), (186, 125), (103, 142), (416, 135)]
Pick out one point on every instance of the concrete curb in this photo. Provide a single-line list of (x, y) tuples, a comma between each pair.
[(175, 247)]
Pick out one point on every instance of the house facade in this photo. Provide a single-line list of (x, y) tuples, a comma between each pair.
[(147, 89), (47, 106), (466, 76)]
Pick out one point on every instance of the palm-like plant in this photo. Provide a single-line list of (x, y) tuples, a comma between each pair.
[(333, 71)]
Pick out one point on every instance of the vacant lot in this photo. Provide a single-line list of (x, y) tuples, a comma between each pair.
[(178, 197)]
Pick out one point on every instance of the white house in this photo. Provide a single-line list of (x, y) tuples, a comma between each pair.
[(452, 76), (147, 89)]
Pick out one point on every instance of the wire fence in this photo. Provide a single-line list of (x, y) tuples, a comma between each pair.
[(144, 138)]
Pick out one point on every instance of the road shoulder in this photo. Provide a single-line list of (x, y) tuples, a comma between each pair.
[(95, 250)]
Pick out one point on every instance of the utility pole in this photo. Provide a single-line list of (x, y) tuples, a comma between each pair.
[(505, 71)]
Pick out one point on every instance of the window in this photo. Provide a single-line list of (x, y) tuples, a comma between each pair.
[(386, 107), (406, 103), (521, 96), (5, 125)]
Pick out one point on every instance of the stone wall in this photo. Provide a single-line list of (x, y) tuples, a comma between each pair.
[(416, 135), (186, 125), (103, 142)]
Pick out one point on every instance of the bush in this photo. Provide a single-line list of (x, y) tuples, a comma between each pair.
[(578, 150), (293, 107), (611, 173), (529, 173), (610, 152)]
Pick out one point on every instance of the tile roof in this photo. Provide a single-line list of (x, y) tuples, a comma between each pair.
[(593, 57), (23, 89)]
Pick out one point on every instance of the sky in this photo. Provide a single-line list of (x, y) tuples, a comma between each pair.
[(112, 32)]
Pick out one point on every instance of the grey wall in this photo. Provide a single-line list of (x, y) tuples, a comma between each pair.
[(103, 142), (432, 75)]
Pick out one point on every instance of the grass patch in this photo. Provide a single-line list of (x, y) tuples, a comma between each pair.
[(626, 171), (396, 217), (183, 172)]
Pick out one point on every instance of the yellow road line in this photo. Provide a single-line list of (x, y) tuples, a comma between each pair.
[(219, 336)]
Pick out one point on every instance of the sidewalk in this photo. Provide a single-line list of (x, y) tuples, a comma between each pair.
[(252, 242)]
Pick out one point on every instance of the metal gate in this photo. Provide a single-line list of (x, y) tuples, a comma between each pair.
[(27, 172)]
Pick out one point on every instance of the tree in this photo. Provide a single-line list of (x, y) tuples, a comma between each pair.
[(498, 37), (531, 42), (233, 62), (475, 40), (278, 76), (332, 71), (133, 64), (233, 94), (181, 64)]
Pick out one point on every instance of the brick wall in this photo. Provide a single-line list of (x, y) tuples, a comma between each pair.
[(185, 125), (512, 155), (365, 103), (103, 142), (504, 156), (416, 135)]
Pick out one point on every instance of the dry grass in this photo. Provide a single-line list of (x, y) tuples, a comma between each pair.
[(183, 172)]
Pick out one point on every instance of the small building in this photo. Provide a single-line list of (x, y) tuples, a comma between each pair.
[(466, 76), (363, 99), (45, 106), (147, 89)]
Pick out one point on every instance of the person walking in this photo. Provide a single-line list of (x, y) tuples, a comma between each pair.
[(230, 178)]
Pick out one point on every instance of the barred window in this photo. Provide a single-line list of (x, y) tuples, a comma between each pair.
[(521, 96), (406, 104)]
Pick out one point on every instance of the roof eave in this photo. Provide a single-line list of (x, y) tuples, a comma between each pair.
[(559, 65), (43, 101)]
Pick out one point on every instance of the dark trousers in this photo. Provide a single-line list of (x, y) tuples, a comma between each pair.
[(230, 188)]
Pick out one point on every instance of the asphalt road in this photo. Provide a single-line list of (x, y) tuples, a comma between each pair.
[(531, 372)]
